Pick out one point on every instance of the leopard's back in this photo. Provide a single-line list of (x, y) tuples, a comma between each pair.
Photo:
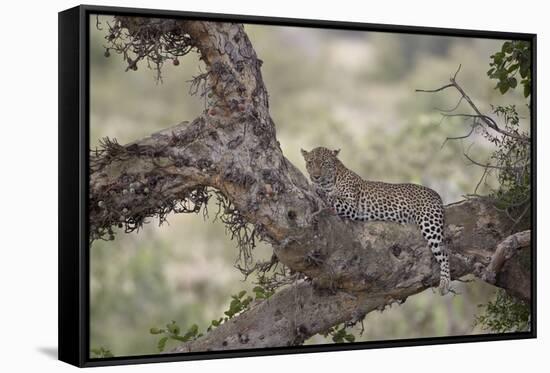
[(402, 203)]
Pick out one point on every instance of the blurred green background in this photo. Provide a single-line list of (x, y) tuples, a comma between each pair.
[(340, 89)]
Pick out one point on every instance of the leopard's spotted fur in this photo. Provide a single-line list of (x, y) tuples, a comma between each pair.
[(358, 199)]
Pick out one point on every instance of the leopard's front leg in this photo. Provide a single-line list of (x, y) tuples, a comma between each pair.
[(345, 207), (328, 206)]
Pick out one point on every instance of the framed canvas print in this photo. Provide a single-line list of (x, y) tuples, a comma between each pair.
[(236, 185)]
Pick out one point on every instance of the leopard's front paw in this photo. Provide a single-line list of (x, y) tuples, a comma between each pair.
[(444, 285), (323, 211)]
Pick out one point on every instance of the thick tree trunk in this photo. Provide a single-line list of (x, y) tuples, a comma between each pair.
[(352, 268)]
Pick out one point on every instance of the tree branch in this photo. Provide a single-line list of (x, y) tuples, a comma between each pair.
[(288, 318), (398, 257), (490, 122), (506, 250)]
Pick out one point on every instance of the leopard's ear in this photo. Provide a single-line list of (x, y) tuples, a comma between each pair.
[(304, 153), (335, 152)]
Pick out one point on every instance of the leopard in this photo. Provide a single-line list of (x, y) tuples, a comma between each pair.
[(351, 197)]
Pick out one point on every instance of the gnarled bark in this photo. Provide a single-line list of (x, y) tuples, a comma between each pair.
[(353, 267)]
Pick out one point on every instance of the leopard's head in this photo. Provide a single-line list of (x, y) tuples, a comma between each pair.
[(321, 165)]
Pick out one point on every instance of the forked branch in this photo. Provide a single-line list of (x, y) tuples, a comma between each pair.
[(487, 120)]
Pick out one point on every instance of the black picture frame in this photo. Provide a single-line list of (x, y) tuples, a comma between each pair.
[(73, 184)]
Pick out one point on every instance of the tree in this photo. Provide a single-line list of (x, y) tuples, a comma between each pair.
[(338, 271)]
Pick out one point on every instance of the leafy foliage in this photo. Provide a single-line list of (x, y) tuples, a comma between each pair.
[(100, 353), (262, 293), (339, 334), (239, 303), (510, 164), (504, 314), (173, 332), (512, 160), (513, 58)]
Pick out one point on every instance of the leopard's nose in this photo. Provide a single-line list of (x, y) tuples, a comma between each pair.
[(316, 177)]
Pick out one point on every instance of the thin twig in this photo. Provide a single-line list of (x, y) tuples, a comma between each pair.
[(485, 165), (453, 109), (435, 90), (490, 122), (474, 125), (485, 171)]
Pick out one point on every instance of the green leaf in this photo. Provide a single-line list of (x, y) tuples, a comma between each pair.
[(498, 57), (260, 292), (247, 301), (162, 343), (193, 329), (191, 333), (526, 89), (350, 338), (502, 74), (173, 328), (512, 82), (179, 338), (234, 304), (524, 70), (503, 87), (241, 294), (101, 352), (513, 67), (507, 47), (156, 331), (107, 353)]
